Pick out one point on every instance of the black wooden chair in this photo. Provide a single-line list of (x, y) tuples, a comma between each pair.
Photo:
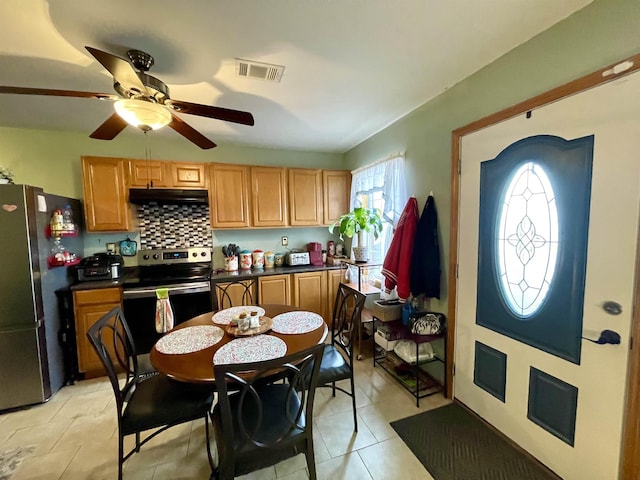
[(243, 291), (155, 402), (337, 360), (262, 423)]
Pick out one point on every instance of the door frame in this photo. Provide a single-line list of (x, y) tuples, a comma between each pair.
[(630, 451)]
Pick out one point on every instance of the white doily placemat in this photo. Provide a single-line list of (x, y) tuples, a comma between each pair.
[(250, 349), (296, 322), (189, 339), (223, 317)]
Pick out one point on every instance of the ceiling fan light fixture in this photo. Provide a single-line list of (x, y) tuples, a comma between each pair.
[(142, 114)]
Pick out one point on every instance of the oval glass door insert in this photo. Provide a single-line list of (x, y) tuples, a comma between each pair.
[(527, 240)]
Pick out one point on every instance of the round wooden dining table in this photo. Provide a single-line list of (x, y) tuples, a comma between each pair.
[(197, 367)]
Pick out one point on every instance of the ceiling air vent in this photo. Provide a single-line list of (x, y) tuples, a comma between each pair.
[(262, 71)]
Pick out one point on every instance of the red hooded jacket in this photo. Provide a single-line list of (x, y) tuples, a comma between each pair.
[(397, 263)]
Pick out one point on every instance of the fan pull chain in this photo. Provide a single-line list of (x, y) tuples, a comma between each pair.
[(147, 154)]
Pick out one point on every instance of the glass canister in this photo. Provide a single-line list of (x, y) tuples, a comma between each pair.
[(258, 259), (278, 259), (245, 260), (269, 259), (331, 248)]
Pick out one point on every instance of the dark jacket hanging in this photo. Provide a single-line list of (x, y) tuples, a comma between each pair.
[(424, 275)]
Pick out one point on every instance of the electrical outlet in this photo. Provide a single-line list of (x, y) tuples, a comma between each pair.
[(285, 241)]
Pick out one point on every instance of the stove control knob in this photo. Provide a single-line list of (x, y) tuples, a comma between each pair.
[(194, 254), (203, 254), (156, 256), (145, 256)]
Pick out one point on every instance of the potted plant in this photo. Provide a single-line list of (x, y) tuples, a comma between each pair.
[(6, 175), (358, 221)]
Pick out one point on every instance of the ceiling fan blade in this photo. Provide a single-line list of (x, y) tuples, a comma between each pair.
[(111, 127), (190, 133), (57, 93), (119, 68), (226, 114)]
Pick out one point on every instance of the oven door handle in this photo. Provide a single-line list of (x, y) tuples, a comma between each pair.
[(199, 287)]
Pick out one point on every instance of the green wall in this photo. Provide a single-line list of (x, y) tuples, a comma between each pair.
[(600, 34), (51, 159)]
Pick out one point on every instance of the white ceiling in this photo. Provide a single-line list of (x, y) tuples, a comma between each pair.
[(352, 66)]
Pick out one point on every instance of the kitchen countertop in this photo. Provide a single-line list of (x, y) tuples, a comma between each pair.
[(217, 275), (222, 276), (96, 284)]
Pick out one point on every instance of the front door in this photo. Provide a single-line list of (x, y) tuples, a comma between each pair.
[(559, 396)]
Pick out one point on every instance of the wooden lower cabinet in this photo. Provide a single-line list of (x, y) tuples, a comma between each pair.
[(274, 289), (310, 292), (89, 306), (235, 290), (334, 277)]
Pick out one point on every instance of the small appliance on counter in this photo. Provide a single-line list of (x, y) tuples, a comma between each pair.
[(315, 253), (101, 266), (298, 257)]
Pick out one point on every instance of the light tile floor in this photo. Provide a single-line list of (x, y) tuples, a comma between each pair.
[(74, 436)]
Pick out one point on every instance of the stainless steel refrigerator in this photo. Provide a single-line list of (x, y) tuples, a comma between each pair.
[(31, 358)]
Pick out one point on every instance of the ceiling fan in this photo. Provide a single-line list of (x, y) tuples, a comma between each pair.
[(142, 101)]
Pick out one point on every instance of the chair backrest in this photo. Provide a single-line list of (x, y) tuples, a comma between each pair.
[(346, 315), (234, 293), (270, 413), (111, 338)]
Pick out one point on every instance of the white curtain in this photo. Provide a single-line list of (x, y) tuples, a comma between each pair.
[(381, 185)]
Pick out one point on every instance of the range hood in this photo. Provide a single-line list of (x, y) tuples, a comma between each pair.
[(142, 196)]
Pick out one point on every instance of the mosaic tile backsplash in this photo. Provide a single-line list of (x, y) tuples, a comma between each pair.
[(174, 226)]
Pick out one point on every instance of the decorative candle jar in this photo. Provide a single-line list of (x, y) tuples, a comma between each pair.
[(269, 259), (245, 260), (258, 259)]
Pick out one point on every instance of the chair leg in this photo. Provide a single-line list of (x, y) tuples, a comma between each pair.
[(353, 402), (137, 442), (333, 388), (311, 460), (120, 454), (206, 429)]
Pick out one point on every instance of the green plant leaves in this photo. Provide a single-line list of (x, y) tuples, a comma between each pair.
[(360, 218)]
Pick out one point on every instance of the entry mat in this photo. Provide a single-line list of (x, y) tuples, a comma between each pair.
[(454, 444)]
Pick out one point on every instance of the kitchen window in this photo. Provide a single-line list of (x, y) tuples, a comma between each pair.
[(380, 185)]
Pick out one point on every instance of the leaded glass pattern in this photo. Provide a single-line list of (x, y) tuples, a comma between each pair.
[(527, 240)]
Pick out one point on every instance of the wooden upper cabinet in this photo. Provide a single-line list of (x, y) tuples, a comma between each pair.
[(269, 197), (152, 173), (228, 195), (188, 175), (336, 190), (305, 197), (106, 196)]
